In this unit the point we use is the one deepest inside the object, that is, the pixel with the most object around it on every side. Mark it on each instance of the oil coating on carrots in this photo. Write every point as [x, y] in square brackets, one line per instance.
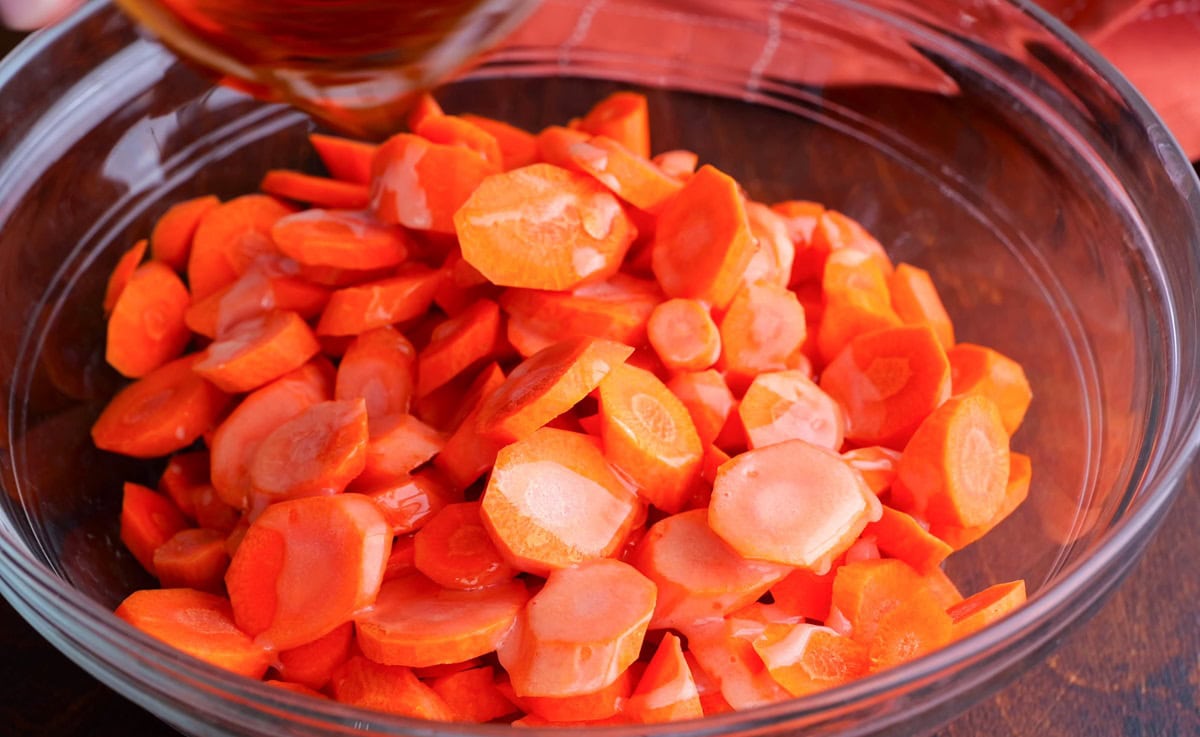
[530, 427]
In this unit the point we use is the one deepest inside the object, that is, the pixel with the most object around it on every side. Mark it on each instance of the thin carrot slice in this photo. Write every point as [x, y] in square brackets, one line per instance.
[473, 696]
[598, 705]
[623, 117]
[237, 439]
[580, 632]
[417, 623]
[916, 301]
[313, 663]
[409, 502]
[379, 368]
[805, 593]
[148, 521]
[976, 612]
[711, 700]
[192, 559]
[942, 587]
[708, 399]
[162, 412]
[915, 628]
[425, 106]
[306, 566]
[543, 227]
[898, 535]
[684, 336]
[677, 163]
[315, 191]
[468, 454]
[357, 309]
[184, 472]
[703, 244]
[517, 147]
[229, 238]
[554, 145]
[319, 451]
[459, 343]
[876, 464]
[629, 176]
[772, 261]
[1020, 472]
[171, 238]
[454, 550]
[617, 309]
[534, 480]
[955, 469]
[146, 328]
[420, 184]
[867, 591]
[889, 381]
[197, 623]
[856, 301]
[760, 331]
[732, 663]
[393, 689]
[787, 405]
[121, 273]
[253, 295]
[836, 231]
[400, 561]
[697, 574]
[801, 217]
[649, 435]
[452, 130]
[806, 658]
[666, 691]
[258, 351]
[345, 158]
[346, 239]
[975, 369]
[547, 384]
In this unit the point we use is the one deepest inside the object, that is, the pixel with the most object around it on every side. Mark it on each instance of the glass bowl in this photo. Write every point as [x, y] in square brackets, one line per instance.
[982, 142]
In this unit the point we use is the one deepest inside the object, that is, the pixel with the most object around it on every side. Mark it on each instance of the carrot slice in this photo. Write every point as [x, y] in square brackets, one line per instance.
[806, 658]
[126, 265]
[703, 244]
[306, 566]
[1020, 472]
[379, 368]
[598, 705]
[684, 336]
[197, 623]
[787, 405]
[805, 593]
[666, 691]
[554, 145]
[942, 587]
[517, 147]
[162, 412]
[649, 435]
[312, 664]
[345, 158]
[228, 238]
[800, 218]
[975, 369]
[915, 628]
[772, 261]
[534, 480]
[171, 238]
[761, 504]
[343, 238]
[623, 117]
[629, 176]
[898, 535]
[617, 309]
[916, 301]
[547, 384]
[399, 298]
[543, 227]
[409, 502]
[315, 191]
[258, 351]
[454, 550]
[425, 106]
[889, 381]
[184, 472]
[148, 521]
[955, 469]
[420, 184]
[857, 301]
[866, 592]
[319, 451]
[837, 231]
[254, 294]
[976, 612]
[459, 343]
[415, 622]
[192, 559]
[762, 328]
[731, 662]
[146, 328]
[473, 696]
[468, 454]
[452, 130]
[580, 632]
[393, 689]
[698, 575]
[708, 400]
[876, 464]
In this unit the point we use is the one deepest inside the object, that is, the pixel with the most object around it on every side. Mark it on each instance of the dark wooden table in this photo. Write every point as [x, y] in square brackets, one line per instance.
[1132, 671]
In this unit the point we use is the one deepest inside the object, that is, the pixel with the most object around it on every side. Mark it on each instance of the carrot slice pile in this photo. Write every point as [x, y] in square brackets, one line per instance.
[537, 428]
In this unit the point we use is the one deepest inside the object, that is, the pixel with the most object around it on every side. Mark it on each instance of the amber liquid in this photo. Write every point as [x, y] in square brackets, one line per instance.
[354, 64]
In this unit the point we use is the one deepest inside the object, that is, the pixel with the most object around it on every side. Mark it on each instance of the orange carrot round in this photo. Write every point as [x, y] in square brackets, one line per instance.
[453, 549]
[343, 238]
[319, 451]
[171, 238]
[258, 351]
[787, 405]
[147, 328]
[421, 185]
[121, 273]
[684, 335]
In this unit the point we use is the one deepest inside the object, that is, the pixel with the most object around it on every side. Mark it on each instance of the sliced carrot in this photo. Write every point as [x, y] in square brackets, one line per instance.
[306, 566]
[146, 328]
[1015, 492]
[697, 574]
[666, 691]
[452, 130]
[976, 612]
[313, 663]
[761, 504]
[917, 627]
[587, 707]
[459, 343]
[183, 472]
[772, 261]
[889, 381]
[942, 587]
[148, 521]
[684, 335]
[378, 367]
[253, 295]
[835, 231]
[856, 301]
[454, 550]
[192, 559]
[393, 689]
[473, 696]
[876, 464]
[360, 308]
[210, 511]
[711, 700]
[801, 218]
[787, 405]
[162, 412]
[763, 327]
[543, 227]
[806, 658]
[554, 145]
[425, 106]
[955, 469]
[258, 351]
[617, 309]
[345, 158]
[865, 592]
[677, 163]
[547, 384]
[468, 454]
[623, 117]
[397, 445]
[400, 561]
[409, 502]
[707, 398]
[632, 177]
[119, 278]
[649, 435]
[319, 451]
[416, 623]
[898, 535]
[805, 593]
[171, 238]
[197, 623]
[314, 190]
[420, 184]
[228, 238]
[975, 369]
[517, 147]
[346, 239]
[732, 663]
[916, 301]
[703, 243]
[580, 632]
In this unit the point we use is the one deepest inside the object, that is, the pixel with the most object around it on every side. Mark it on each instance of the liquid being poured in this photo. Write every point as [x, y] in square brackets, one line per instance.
[355, 64]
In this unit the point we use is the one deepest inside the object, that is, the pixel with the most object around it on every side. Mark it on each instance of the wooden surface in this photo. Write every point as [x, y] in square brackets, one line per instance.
[1132, 671]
